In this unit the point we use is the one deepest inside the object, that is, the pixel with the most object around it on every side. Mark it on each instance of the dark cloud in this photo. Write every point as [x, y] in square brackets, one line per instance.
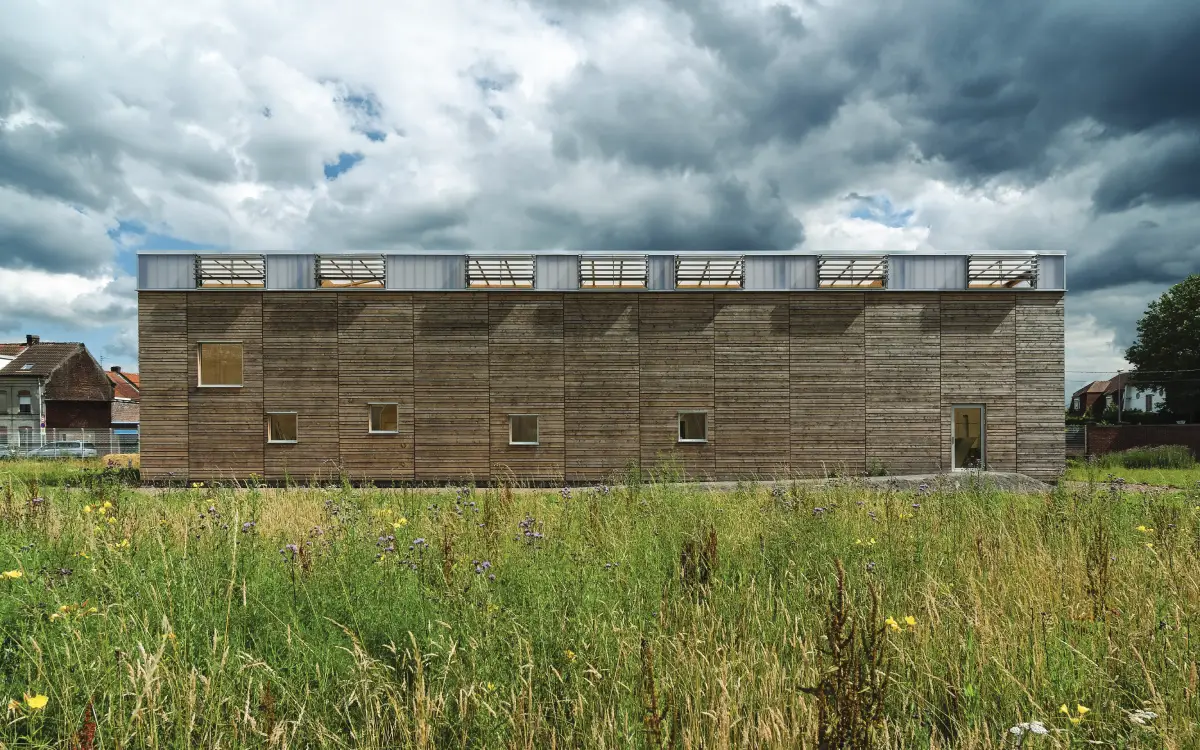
[686, 125]
[730, 219]
[1147, 252]
[1168, 173]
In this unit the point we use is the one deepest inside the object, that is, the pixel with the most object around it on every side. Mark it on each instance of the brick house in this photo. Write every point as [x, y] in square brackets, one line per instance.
[52, 386]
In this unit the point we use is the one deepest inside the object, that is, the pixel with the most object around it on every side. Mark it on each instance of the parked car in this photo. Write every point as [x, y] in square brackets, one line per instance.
[8, 451]
[65, 449]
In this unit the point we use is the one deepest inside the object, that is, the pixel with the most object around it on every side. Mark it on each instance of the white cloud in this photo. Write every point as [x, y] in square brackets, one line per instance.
[65, 299]
[515, 125]
[1092, 352]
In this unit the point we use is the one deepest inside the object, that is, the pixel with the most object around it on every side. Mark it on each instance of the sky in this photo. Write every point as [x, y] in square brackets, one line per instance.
[831, 126]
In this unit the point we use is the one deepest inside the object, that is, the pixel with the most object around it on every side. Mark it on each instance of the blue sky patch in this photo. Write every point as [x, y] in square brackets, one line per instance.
[345, 163]
[879, 209]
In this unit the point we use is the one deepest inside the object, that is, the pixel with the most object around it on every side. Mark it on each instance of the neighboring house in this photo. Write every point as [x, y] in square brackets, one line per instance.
[1118, 391]
[9, 352]
[1090, 398]
[573, 366]
[126, 404]
[52, 386]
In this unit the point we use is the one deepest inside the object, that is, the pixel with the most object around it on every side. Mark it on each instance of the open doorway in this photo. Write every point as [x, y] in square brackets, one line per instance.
[967, 437]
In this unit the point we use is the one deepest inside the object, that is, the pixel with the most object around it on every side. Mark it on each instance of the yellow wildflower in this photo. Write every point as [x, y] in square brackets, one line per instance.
[106, 505]
[36, 702]
[891, 623]
[1082, 709]
[1063, 709]
[112, 520]
[402, 521]
[491, 686]
[82, 554]
[1076, 719]
[1149, 545]
[569, 654]
[13, 574]
[910, 621]
[56, 616]
[1145, 530]
[87, 509]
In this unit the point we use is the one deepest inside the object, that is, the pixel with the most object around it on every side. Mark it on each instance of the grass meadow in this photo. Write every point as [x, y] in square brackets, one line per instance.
[650, 615]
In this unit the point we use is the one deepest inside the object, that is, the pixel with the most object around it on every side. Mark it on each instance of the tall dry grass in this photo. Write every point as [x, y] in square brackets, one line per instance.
[649, 616]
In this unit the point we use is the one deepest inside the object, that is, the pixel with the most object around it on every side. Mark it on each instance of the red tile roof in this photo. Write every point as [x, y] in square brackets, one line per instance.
[122, 387]
[11, 350]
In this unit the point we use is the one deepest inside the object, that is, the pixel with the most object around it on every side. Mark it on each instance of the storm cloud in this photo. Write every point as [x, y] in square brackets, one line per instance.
[706, 125]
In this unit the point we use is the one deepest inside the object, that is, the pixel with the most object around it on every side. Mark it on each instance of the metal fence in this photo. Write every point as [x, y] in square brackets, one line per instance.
[68, 443]
[1076, 439]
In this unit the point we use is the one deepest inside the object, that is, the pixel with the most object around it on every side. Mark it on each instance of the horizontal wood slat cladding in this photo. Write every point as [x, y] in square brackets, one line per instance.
[978, 367]
[803, 382]
[903, 381]
[296, 329]
[450, 386]
[525, 370]
[601, 372]
[752, 348]
[828, 386]
[226, 426]
[677, 373]
[375, 365]
[163, 359]
[1041, 442]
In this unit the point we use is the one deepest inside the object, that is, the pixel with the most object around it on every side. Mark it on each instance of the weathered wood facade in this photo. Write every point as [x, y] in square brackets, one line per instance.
[793, 383]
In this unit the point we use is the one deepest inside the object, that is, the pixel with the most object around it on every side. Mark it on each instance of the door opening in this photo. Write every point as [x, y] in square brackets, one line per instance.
[968, 438]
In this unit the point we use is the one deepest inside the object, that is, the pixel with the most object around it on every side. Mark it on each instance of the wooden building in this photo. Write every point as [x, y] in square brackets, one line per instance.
[574, 367]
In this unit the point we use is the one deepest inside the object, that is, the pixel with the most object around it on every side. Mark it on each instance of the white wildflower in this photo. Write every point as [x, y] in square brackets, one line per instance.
[1033, 727]
[1140, 717]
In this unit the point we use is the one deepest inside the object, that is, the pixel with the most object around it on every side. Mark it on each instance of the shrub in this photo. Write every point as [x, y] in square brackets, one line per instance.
[1149, 457]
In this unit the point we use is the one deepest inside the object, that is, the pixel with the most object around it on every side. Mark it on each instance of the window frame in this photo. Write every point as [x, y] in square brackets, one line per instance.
[27, 395]
[295, 428]
[537, 430]
[983, 441]
[679, 438]
[200, 366]
[395, 405]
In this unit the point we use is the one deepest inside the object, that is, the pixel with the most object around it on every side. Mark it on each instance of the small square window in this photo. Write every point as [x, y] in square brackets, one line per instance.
[522, 429]
[384, 418]
[693, 427]
[221, 364]
[281, 427]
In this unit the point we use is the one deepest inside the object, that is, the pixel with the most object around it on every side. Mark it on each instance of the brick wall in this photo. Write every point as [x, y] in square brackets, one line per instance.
[88, 414]
[1111, 438]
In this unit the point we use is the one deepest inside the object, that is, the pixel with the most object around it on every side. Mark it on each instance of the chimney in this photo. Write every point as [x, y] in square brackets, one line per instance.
[30, 339]
[115, 368]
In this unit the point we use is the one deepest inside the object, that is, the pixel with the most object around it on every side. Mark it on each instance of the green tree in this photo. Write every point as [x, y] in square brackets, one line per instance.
[1166, 352]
